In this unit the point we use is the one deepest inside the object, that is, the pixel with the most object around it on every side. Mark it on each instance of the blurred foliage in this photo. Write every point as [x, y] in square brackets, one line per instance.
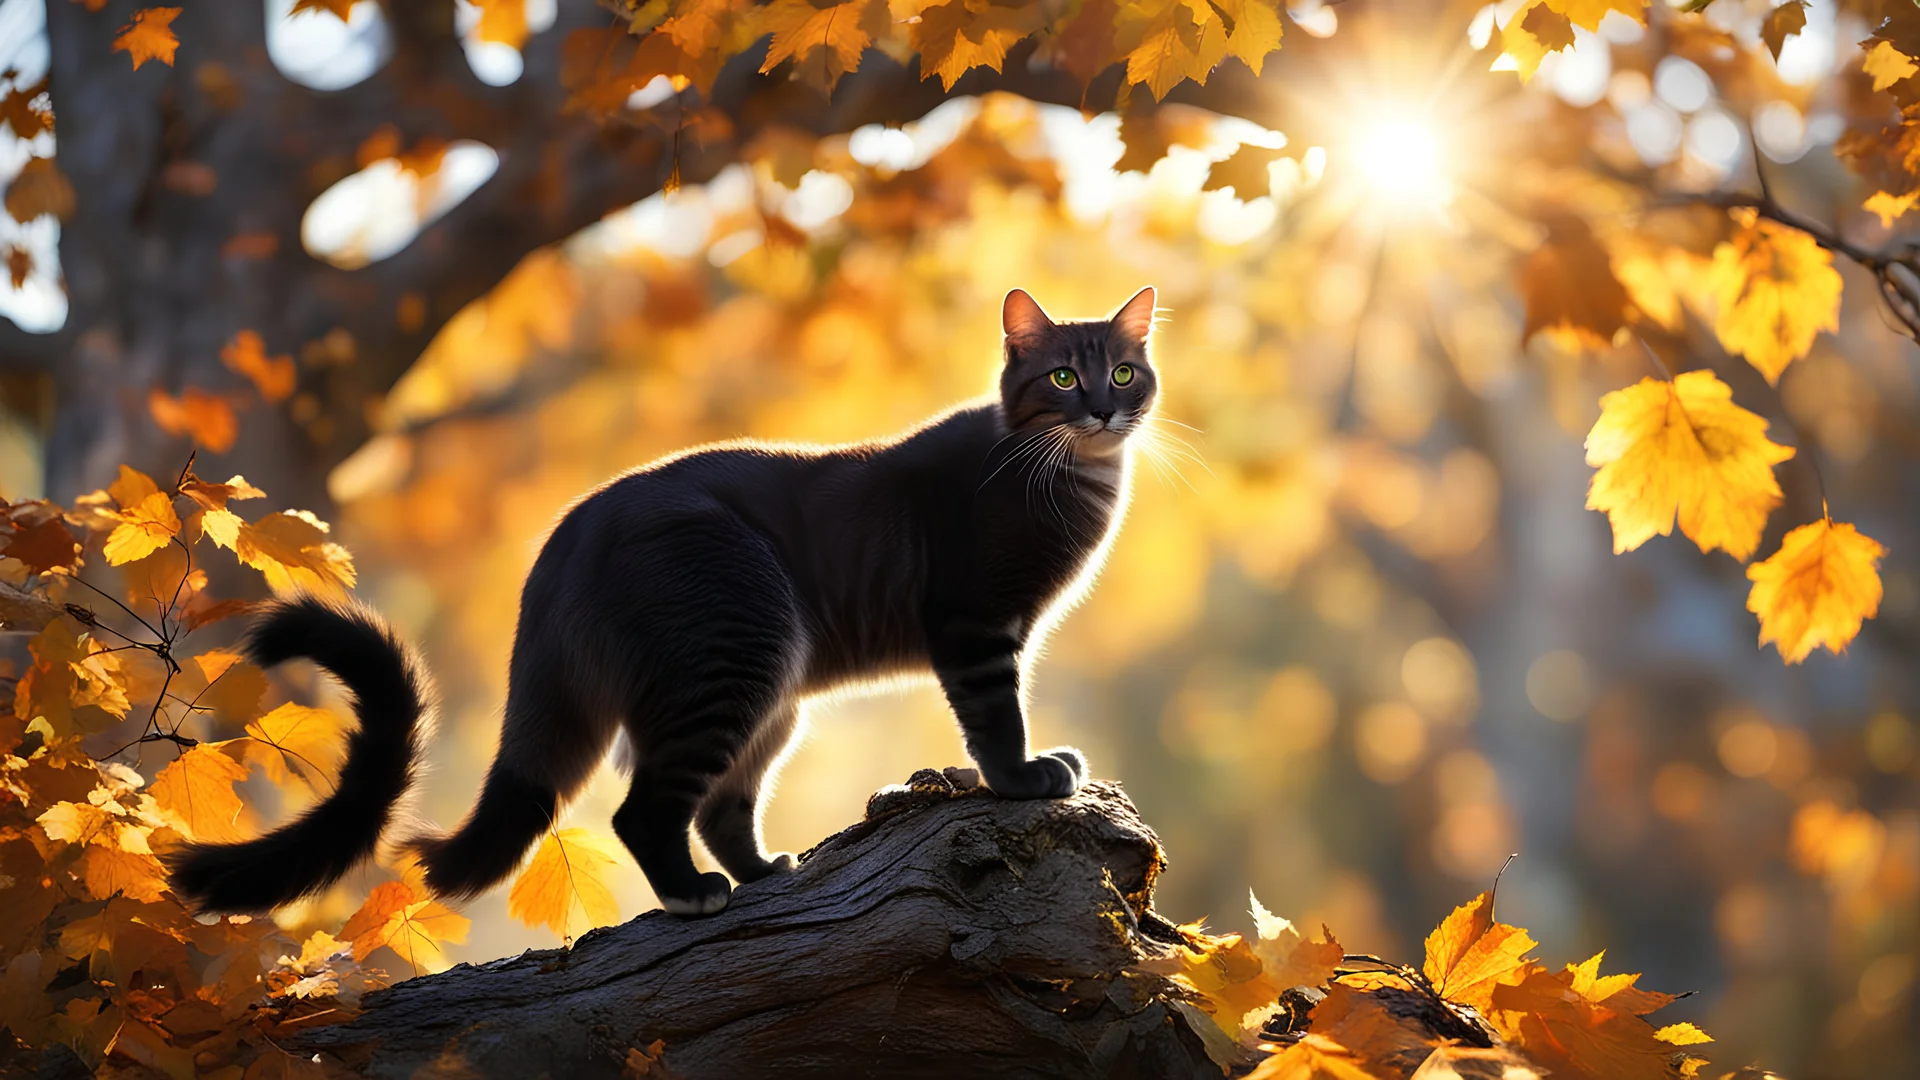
[1358, 640]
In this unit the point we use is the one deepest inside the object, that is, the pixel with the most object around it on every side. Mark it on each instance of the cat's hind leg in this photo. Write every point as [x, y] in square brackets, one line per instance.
[729, 819]
[717, 632]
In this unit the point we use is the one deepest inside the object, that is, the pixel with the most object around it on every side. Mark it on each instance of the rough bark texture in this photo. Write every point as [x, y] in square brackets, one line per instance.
[950, 933]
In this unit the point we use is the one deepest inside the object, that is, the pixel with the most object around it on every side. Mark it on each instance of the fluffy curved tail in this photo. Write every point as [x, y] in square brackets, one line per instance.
[392, 696]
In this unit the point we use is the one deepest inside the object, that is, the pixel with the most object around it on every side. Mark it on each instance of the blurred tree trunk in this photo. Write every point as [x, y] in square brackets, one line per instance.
[950, 934]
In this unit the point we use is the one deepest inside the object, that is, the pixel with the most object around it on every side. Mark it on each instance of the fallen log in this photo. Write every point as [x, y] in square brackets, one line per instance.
[949, 933]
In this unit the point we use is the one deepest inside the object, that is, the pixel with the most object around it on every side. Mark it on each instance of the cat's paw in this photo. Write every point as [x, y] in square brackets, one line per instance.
[709, 896]
[1075, 760]
[1045, 777]
[772, 866]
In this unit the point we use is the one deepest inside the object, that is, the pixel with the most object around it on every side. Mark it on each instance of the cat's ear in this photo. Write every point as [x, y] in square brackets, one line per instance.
[1022, 319]
[1135, 318]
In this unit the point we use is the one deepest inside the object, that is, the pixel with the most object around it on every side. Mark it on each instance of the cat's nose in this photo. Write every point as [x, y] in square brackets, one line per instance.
[1103, 417]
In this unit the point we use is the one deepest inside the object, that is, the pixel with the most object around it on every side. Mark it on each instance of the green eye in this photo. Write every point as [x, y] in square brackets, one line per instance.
[1123, 375]
[1064, 378]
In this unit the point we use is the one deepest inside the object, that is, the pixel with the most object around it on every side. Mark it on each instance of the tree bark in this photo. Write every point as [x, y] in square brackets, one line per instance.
[950, 933]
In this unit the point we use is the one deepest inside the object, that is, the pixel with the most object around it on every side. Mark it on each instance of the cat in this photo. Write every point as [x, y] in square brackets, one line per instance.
[697, 601]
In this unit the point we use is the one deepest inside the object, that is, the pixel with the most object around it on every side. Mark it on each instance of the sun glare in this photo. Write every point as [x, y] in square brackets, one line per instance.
[1399, 161]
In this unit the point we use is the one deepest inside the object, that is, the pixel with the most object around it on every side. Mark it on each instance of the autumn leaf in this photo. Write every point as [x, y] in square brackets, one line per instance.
[1254, 29]
[75, 822]
[39, 188]
[1544, 26]
[36, 533]
[1683, 450]
[1550, 28]
[246, 354]
[131, 486]
[1166, 41]
[1247, 171]
[1776, 289]
[1554, 1023]
[1888, 65]
[207, 419]
[415, 927]
[1782, 23]
[196, 793]
[1381, 1036]
[22, 110]
[570, 867]
[144, 528]
[1817, 589]
[962, 34]
[111, 870]
[1287, 957]
[824, 43]
[19, 264]
[1469, 954]
[309, 737]
[292, 549]
[1313, 1057]
[1570, 288]
[149, 36]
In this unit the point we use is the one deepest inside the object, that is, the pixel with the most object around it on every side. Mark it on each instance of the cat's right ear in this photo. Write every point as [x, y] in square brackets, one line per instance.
[1022, 319]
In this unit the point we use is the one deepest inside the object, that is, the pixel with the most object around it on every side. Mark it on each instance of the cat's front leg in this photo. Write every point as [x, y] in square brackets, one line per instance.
[981, 675]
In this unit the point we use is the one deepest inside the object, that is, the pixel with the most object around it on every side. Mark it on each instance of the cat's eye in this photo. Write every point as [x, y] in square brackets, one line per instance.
[1123, 375]
[1064, 378]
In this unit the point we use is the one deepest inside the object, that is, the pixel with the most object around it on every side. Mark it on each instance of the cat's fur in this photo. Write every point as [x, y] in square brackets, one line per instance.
[697, 601]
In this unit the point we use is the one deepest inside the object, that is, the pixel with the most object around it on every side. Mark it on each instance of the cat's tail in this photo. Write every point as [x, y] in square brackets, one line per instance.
[393, 697]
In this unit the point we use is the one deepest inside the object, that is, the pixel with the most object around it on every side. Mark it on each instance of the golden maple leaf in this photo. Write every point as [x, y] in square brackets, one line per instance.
[823, 43]
[1314, 1057]
[196, 794]
[1776, 290]
[1888, 65]
[1817, 589]
[149, 36]
[292, 549]
[416, 927]
[1683, 450]
[959, 35]
[1469, 954]
[1544, 26]
[1254, 29]
[570, 867]
[1553, 1021]
[1166, 41]
[1782, 23]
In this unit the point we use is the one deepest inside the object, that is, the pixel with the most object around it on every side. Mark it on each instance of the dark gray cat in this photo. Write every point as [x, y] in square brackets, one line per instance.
[694, 603]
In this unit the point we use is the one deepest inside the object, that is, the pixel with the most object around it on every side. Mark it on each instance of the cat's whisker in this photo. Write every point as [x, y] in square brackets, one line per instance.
[1029, 447]
[1162, 418]
[1164, 463]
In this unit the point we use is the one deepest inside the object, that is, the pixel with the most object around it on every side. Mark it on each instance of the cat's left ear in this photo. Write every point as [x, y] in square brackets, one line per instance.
[1135, 318]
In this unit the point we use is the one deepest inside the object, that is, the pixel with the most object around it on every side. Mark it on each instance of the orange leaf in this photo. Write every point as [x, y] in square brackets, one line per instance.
[1314, 1057]
[570, 867]
[196, 793]
[205, 418]
[149, 36]
[1469, 954]
[273, 376]
[292, 549]
[307, 737]
[824, 43]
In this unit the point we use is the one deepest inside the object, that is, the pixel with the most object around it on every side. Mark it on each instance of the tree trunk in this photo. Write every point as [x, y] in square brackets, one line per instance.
[950, 933]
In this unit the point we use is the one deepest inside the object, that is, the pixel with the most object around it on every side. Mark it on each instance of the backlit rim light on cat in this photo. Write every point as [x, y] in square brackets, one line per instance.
[1401, 164]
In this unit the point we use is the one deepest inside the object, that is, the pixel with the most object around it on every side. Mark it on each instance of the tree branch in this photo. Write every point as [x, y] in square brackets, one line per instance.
[949, 934]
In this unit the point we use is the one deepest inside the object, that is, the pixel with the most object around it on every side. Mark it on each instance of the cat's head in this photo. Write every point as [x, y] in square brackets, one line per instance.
[1090, 378]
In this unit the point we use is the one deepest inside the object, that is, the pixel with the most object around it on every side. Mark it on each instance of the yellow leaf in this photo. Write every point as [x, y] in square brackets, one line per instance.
[824, 43]
[417, 932]
[1544, 26]
[1683, 449]
[1314, 1057]
[1230, 978]
[1166, 41]
[1288, 957]
[1248, 171]
[149, 36]
[699, 26]
[311, 738]
[319, 948]
[216, 496]
[571, 866]
[1782, 23]
[1888, 65]
[1776, 289]
[1682, 1034]
[74, 823]
[143, 530]
[962, 34]
[196, 794]
[1890, 208]
[1469, 954]
[132, 487]
[291, 548]
[1817, 589]
[1255, 31]
[367, 927]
